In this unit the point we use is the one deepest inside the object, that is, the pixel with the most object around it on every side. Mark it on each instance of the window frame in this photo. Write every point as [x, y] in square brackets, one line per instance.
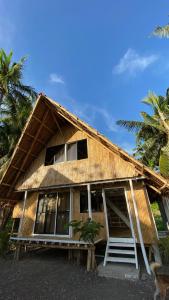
[66, 145]
[69, 235]
[92, 208]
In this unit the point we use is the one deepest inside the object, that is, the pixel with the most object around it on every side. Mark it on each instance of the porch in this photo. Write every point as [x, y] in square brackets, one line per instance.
[46, 242]
[113, 203]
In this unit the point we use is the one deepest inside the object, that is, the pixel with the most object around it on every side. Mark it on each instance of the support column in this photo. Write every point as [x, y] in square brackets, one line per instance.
[165, 204]
[23, 213]
[105, 212]
[139, 228]
[71, 212]
[89, 201]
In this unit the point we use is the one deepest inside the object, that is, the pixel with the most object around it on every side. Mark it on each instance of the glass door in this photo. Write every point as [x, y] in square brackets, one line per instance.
[53, 214]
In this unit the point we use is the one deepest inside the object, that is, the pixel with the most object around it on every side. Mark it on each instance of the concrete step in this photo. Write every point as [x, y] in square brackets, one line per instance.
[121, 259]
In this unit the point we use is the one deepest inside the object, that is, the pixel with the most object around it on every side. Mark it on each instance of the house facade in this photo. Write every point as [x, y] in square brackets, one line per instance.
[63, 170]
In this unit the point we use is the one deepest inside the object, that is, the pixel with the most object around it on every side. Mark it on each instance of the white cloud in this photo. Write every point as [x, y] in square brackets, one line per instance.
[94, 114]
[132, 62]
[55, 78]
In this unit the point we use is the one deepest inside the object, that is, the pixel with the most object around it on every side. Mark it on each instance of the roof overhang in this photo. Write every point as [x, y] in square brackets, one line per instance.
[46, 120]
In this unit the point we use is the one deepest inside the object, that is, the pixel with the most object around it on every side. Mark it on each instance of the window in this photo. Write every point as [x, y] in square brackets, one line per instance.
[53, 214]
[15, 227]
[83, 201]
[55, 155]
[72, 151]
[96, 201]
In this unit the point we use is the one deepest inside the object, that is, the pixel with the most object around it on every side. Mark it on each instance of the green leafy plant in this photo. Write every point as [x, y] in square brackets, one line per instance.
[4, 242]
[157, 216]
[88, 230]
[164, 249]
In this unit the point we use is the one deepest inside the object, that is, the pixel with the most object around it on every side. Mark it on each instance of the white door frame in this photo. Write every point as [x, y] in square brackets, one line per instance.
[105, 209]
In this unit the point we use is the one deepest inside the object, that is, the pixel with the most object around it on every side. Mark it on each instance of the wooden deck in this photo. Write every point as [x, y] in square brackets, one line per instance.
[47, 242]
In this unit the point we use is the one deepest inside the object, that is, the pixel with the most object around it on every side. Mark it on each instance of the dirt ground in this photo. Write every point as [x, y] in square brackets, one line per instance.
[49, 275]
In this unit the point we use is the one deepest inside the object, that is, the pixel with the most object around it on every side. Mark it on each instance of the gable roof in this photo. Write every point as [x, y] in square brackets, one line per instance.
[46, 120]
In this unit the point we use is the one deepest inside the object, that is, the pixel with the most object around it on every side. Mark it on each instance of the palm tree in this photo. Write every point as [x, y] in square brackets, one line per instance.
[16, 101]
[162, 31]
[152, 134]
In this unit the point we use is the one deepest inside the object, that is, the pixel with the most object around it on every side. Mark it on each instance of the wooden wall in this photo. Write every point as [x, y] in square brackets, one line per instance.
[145, 216]
[101, 164]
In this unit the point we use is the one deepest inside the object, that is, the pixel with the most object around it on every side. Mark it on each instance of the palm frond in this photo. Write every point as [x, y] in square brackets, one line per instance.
[162, 31]
[130, 125]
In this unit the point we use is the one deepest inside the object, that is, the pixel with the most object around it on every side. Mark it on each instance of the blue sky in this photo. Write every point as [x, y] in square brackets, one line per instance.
[97, 58]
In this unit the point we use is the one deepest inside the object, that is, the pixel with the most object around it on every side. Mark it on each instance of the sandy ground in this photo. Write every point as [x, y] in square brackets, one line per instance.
[47, 275]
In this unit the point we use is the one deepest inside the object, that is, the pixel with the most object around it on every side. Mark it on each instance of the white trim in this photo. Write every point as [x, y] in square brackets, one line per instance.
[165, 201]
[81, 184]
[71, 213]
[89, 201]
[151, 212]
[105, 212]
[23, 212]
[139, 228]
[35, 214]
[54, 234]
[65, 156]
[53, 240]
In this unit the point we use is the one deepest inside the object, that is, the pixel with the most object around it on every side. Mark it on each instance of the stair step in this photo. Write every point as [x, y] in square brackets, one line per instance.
[118, 251]
[121, 259]
[121, 240]
[125, 245]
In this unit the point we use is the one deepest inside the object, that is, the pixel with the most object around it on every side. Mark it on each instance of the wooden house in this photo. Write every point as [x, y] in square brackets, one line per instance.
[62, 169]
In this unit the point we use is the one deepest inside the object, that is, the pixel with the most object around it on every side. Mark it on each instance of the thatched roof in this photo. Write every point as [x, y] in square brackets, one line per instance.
[45, 120]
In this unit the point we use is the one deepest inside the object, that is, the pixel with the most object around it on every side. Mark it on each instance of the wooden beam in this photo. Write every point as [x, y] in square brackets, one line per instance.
[154, 188]
[33, 137]
[8, 200]
[89, 201]
[118, 212]
[29, 151]
[163, 187]
[16, 168]
[44, 125]
[23, 150]
[57, 124]
[5, 184]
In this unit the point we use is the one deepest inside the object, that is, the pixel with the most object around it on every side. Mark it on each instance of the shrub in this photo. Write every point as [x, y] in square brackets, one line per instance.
[157, 216]
[164, 249]
[4, 240]
[88, 230]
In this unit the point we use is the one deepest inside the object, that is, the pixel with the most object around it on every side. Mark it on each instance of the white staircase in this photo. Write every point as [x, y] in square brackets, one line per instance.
[121, 250]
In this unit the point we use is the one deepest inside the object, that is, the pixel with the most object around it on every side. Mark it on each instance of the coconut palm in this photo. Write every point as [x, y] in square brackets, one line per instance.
[162, 31]
[152, 134]
[16, 100]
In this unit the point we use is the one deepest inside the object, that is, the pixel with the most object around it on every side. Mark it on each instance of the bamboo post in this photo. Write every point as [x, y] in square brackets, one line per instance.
[70, 255]
[89, 257]
[93, 264]
[17, 252]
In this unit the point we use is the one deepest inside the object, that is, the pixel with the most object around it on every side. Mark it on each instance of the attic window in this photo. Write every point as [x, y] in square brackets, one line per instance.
[67, 152]
[77, 150]
[55, 155]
